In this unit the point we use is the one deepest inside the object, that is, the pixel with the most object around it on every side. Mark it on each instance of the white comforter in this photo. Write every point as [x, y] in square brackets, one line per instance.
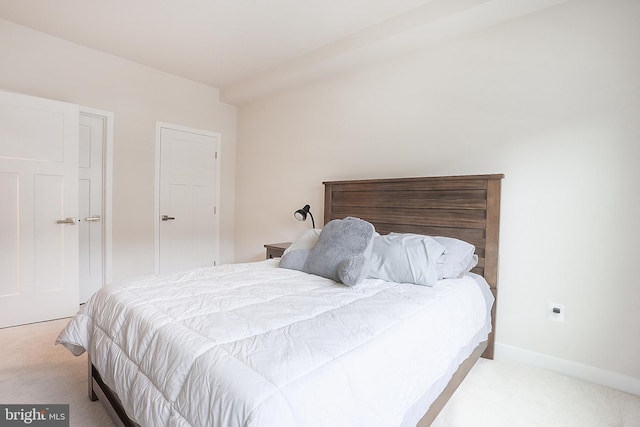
[257, 345]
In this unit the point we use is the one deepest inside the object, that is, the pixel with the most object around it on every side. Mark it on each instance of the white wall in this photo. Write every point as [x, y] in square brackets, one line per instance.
[552, 100]
[37, 64]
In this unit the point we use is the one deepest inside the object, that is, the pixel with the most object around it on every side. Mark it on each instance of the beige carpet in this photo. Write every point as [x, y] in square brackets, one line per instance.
[34, 370]
[495, 394]
[503, 394]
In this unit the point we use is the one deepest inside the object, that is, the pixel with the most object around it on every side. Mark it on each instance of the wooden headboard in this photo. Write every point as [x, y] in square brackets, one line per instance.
[466, 207]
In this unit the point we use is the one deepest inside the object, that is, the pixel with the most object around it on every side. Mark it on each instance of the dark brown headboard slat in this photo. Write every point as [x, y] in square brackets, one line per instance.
[465, 207]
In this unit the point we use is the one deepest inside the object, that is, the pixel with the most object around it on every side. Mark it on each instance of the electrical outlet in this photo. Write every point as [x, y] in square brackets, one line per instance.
[556, 312]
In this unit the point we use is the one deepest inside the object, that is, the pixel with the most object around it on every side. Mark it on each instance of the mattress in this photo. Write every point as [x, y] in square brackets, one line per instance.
[257, 345]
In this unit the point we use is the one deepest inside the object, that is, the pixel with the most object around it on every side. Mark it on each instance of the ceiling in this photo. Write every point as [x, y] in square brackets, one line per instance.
[251, 47]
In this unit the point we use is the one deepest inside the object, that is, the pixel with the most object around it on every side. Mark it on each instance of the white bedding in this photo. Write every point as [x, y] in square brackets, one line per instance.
[256, 345]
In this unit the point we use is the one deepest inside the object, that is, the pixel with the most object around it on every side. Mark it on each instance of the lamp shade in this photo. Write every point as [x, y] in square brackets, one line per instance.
[301, 215]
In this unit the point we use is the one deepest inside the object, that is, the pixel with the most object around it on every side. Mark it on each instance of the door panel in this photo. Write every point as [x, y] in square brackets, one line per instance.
[23, 128]
[38, 188]
[177, 243]
[187, 235]
[49, 241]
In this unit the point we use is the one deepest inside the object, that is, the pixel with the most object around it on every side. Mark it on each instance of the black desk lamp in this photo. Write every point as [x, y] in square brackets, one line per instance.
[301, 215]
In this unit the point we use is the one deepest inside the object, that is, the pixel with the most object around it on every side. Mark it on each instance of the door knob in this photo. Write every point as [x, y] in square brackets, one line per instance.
[167, 218]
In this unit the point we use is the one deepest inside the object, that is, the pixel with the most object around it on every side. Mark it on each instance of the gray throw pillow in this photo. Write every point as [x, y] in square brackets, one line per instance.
[342, 253]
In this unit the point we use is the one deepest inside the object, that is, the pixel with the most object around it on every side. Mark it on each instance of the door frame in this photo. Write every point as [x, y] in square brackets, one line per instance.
[107, 190]
[156, 204]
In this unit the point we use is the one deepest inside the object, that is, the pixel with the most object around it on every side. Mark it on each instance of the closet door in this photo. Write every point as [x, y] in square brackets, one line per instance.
[188, 183]
[38, 209]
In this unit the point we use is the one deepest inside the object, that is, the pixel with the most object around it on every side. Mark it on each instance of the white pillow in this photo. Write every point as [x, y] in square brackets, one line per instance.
[405, 258]
[458, 258]
[471, 266]
[306, 240]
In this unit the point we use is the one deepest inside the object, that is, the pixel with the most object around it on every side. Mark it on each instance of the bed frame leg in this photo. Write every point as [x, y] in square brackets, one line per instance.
[92, 395]
[98, 390]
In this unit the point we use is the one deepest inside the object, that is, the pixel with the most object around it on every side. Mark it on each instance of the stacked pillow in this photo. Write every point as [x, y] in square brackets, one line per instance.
[458, 258]
[307, 240]
[342, 251]
[405, 258]
[349, 250]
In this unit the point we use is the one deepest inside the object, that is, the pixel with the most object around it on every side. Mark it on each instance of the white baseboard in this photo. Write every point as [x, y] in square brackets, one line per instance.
[591, 374]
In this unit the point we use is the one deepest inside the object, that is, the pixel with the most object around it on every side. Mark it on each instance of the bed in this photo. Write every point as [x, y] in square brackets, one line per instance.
[257, 345]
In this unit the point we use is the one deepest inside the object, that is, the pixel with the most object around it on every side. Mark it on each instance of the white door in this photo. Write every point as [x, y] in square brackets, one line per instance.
[39, 209]
[188, 188]
[90, 186]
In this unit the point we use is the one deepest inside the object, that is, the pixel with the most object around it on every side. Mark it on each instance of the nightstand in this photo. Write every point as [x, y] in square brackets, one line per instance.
[275, 250]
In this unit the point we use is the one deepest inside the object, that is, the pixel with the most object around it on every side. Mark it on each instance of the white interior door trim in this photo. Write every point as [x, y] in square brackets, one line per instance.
[156, 207]
[107, 193]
